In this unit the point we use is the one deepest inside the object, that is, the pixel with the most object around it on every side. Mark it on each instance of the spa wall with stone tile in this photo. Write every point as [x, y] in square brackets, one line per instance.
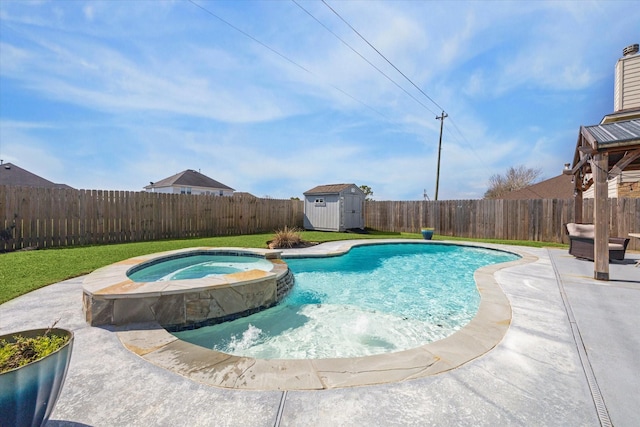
[110, 298]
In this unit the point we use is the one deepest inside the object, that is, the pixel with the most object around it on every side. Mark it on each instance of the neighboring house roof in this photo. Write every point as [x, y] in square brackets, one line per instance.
[11, 174]
[329, 189]
[559, 187]
[189, 178]
[244, 194]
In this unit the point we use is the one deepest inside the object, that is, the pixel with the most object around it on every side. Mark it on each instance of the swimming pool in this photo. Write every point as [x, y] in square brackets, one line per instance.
[375, 299]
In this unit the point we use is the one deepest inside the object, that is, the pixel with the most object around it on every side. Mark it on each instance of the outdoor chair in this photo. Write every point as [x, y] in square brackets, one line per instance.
[581, 242]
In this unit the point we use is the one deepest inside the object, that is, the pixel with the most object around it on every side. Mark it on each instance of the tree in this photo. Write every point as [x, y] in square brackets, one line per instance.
[514, 179]
[368, 192]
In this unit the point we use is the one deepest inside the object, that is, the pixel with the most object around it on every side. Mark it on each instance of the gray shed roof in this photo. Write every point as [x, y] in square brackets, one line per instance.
[11, 174]
[329, 189]
[189, 178]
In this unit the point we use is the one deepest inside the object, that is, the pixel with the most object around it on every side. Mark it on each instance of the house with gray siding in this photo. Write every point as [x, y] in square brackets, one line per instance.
[190, 182]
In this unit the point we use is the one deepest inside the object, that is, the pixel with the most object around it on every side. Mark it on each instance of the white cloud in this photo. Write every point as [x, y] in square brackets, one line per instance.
[14, 59]
[137, 91]
[112, 82]
[476, 84]
[30, 152]
[89, 12]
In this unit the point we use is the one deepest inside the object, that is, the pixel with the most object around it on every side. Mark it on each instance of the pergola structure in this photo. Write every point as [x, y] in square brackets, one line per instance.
[603, 151]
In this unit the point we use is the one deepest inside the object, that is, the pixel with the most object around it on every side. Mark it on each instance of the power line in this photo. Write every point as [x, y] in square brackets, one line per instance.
[248, 35]
[286, 58]
[407, 78]
[384, 57]
[361, 56]
[291, 61]
[482, 161]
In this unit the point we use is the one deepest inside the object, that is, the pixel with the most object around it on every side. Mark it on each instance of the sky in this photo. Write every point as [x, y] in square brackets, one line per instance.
[276, 97]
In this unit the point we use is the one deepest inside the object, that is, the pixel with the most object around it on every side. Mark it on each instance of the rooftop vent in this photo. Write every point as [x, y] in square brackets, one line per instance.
[631, 49]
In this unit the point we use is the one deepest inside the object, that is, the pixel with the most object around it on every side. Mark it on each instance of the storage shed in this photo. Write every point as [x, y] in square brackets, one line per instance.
[334, 207]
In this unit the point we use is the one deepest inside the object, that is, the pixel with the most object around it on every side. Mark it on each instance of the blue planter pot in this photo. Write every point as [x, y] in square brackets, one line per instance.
[427, 233]
[29, 393]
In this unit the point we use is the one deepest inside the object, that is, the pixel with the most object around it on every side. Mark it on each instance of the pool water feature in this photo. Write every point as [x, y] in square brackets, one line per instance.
[374, 299]
[196, 267]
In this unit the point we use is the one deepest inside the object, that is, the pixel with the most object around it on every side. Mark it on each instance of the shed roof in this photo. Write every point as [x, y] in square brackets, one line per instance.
[189, 178]
[559, 187]
[11, 174]
[329, 189]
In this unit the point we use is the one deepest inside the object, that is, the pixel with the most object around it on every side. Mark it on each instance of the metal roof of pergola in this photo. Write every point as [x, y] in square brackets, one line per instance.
[616, 134]
[603, 151]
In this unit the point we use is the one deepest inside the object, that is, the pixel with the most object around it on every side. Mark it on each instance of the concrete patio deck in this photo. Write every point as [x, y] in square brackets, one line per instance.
[569, 357]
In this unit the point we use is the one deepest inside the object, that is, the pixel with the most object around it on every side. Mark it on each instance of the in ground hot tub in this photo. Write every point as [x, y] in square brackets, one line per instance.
[186, 288]
[196, 265]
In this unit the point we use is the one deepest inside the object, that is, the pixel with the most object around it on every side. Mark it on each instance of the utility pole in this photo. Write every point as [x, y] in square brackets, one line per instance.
[441, 118]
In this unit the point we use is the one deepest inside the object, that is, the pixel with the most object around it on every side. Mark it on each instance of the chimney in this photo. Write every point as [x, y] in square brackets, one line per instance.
[631, 49]
[627, 80]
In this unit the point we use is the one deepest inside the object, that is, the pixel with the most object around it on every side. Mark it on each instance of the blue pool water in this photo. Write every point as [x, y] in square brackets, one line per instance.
[196, 266]
[374, 299]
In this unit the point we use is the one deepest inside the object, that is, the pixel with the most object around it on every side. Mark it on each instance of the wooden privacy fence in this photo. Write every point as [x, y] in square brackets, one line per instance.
[44, 217]
[50, 217]
[537, 220]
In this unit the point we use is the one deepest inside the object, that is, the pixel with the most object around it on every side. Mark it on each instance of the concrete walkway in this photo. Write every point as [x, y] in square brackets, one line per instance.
[569, 358]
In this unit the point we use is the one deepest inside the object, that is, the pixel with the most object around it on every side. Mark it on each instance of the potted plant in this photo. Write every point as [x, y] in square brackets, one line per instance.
[427, 233]
[33, 367]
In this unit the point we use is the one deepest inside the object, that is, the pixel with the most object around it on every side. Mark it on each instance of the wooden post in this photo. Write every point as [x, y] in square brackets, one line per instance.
[578, 207]
[601, 216]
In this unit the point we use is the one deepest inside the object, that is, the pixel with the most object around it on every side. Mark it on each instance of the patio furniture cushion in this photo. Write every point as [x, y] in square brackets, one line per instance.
[581, 242]
[581, 230]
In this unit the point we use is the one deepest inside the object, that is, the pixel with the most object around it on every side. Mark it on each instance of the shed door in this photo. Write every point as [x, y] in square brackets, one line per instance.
[353, 212]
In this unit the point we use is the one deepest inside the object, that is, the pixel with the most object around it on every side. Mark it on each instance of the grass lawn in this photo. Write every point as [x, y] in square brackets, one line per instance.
[25, 271]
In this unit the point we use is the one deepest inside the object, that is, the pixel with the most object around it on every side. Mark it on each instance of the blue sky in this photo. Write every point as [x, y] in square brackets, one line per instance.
[263, 98]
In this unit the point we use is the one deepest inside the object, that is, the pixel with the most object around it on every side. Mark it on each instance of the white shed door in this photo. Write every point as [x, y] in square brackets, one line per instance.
[353, 212]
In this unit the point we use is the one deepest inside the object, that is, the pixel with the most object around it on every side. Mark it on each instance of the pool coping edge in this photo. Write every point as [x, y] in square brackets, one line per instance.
[485, 331]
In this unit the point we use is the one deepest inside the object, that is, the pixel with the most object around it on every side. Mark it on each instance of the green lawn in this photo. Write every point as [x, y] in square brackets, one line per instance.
[25, 271]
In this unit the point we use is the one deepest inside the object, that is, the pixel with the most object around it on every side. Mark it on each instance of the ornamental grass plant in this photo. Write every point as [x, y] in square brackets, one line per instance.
[287, 238]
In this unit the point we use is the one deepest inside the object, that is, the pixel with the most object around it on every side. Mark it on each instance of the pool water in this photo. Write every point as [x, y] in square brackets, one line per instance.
[374, 299]
[196, 266]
